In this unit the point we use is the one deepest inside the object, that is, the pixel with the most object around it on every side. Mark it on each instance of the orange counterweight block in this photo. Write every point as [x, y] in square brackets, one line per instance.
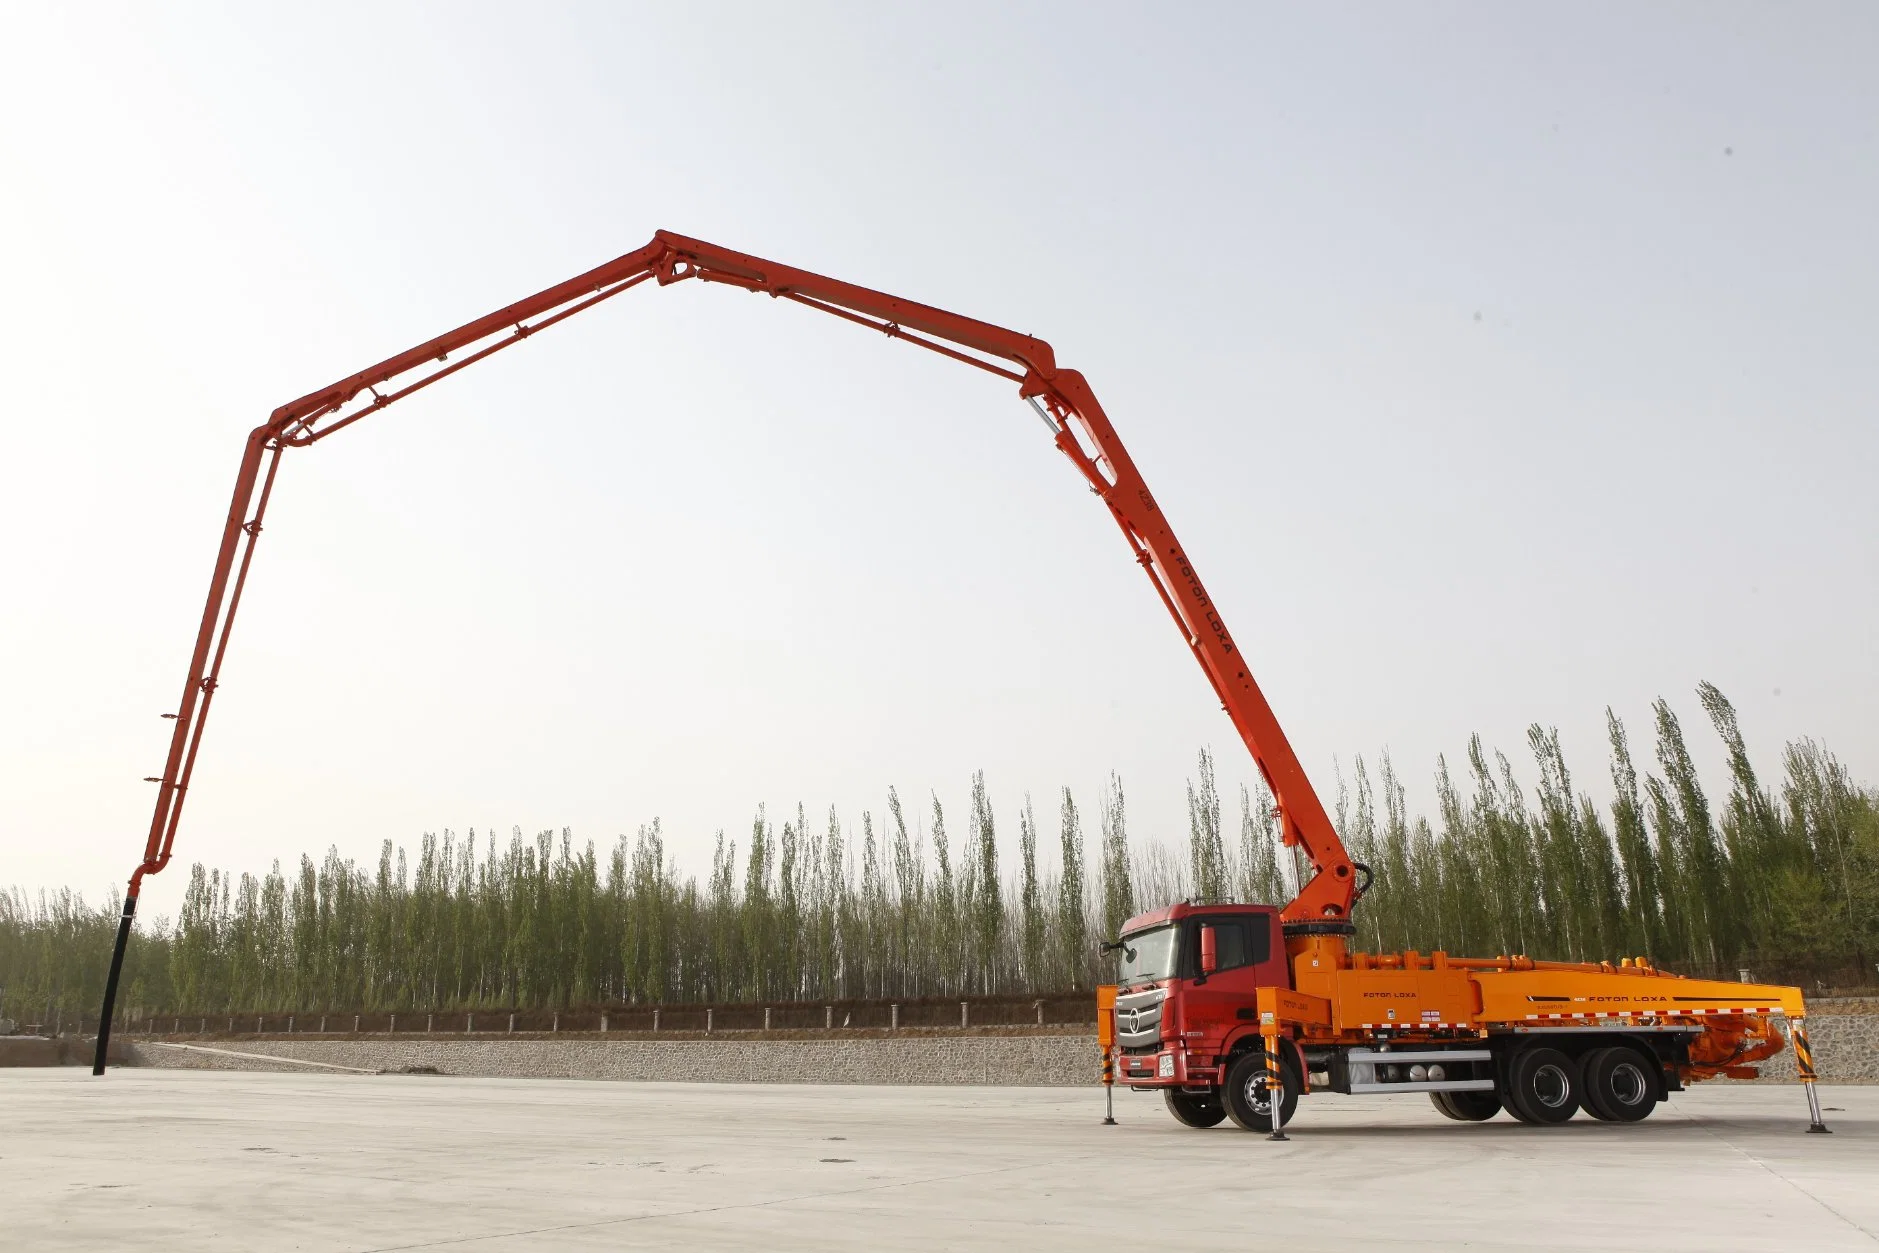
[1365, 993]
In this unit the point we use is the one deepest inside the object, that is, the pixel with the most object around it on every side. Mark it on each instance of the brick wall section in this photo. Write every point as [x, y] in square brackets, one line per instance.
[1846, 1048]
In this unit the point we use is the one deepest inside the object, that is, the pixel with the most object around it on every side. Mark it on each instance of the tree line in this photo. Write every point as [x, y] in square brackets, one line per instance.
[1785, 881]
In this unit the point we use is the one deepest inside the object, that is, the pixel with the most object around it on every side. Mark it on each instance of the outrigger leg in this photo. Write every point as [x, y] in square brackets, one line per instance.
[1804, 1065]
[1275, 1089]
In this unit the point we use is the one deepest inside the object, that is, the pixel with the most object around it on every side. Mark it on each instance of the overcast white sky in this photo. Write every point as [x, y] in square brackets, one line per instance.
[1494, 364]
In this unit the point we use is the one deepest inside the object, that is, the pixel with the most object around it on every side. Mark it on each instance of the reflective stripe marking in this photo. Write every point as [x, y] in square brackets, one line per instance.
[1679, 1012]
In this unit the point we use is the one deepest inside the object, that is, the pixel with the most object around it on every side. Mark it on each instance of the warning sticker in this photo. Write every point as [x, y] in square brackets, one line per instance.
[1432, 1015]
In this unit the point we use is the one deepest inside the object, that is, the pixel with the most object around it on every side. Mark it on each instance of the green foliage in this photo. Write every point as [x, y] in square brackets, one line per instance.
[1785, 882]
[986, 899]
[1258, 876]
[1118, 881]
[1788, 889]
[1072, 911]
[1207, 855]
[1033, 920]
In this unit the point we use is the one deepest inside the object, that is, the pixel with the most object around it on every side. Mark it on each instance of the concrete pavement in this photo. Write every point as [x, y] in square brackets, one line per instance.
[159, 1160]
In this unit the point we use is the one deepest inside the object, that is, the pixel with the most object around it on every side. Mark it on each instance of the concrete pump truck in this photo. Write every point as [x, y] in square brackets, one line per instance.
[1232, 1010]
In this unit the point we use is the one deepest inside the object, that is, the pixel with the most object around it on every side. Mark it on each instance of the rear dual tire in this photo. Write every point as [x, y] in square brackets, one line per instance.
[1543, 1086]
[1620, 1084]
[1616, 1083]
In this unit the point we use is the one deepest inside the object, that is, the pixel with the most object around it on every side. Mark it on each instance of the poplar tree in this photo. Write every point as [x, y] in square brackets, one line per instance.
[1429, 921]
[1463, 885]
[1711, 923]
[756, 982]
[1563, 884]
[1030, 898]
[1757, 849]
[1206, 851]
[947, 940]
[1401, 894]
[786, 938]
[874, 952]
[1838, 823]
[1072, 927]
[989, 907]
[724, 982]
[1118, 881]
[1260, 881]
[910, 879]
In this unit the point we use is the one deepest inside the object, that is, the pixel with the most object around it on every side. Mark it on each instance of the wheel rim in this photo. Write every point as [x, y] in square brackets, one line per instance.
[1628, 1084]
[1552, 1086]
[1258, 1096]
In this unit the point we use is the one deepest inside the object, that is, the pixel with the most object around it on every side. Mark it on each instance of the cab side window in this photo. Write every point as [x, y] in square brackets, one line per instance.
[1238, 941]
[1231, 946]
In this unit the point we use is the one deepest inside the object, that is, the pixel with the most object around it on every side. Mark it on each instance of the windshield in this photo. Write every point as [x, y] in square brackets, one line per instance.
[1147, 956]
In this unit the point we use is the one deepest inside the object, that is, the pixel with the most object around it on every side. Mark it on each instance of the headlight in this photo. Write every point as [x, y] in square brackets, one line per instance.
[1166, 1069]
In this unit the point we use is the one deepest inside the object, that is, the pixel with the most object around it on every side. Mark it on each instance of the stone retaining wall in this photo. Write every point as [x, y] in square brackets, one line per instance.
[1030, 1061]
[1846, 1049]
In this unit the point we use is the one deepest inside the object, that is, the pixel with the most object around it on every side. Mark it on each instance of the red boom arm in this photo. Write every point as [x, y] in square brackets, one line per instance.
[1060, 396]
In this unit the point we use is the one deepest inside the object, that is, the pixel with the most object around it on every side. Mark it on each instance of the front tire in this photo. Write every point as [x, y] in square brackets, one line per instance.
[1466, 1106]
[1247, 1099]
[1543, 1086]
[1619, 1085]
[1195, 1109]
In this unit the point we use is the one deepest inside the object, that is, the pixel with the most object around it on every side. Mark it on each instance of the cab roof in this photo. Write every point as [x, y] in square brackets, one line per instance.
[1181, 909]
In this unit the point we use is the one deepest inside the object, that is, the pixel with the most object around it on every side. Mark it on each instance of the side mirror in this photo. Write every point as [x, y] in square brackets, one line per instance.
[1209, 952]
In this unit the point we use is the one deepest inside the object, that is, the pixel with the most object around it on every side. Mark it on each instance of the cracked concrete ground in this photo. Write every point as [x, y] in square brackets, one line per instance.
[201, 1160]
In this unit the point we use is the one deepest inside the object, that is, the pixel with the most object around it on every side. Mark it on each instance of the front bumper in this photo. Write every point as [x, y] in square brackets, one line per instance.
[1167, 1068]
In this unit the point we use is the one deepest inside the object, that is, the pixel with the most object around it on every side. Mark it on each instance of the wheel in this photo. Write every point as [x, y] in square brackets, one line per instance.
[1619, 1085]
[1248, 1101]
[1466, 1106]
[1195, 1109]
[1542, 1086]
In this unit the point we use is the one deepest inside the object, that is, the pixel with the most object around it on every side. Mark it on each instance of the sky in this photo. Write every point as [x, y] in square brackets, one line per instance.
[1495, 364]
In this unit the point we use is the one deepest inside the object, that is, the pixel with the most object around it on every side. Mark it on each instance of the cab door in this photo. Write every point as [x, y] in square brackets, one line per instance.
[1213, 1005]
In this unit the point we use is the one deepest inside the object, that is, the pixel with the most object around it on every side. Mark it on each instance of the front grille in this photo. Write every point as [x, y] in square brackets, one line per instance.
[1138, 1019]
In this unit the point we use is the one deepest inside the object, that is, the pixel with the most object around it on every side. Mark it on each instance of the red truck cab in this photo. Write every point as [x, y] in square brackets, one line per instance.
[1179, 1025]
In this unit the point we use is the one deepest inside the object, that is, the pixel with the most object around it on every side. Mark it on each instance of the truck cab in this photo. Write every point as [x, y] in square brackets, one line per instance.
[1186, 985]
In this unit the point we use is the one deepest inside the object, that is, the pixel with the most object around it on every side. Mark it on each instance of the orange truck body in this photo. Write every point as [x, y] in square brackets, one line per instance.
[1199, 1021]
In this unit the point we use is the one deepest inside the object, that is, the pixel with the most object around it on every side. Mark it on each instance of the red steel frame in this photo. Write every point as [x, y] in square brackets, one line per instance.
[1061, 397]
